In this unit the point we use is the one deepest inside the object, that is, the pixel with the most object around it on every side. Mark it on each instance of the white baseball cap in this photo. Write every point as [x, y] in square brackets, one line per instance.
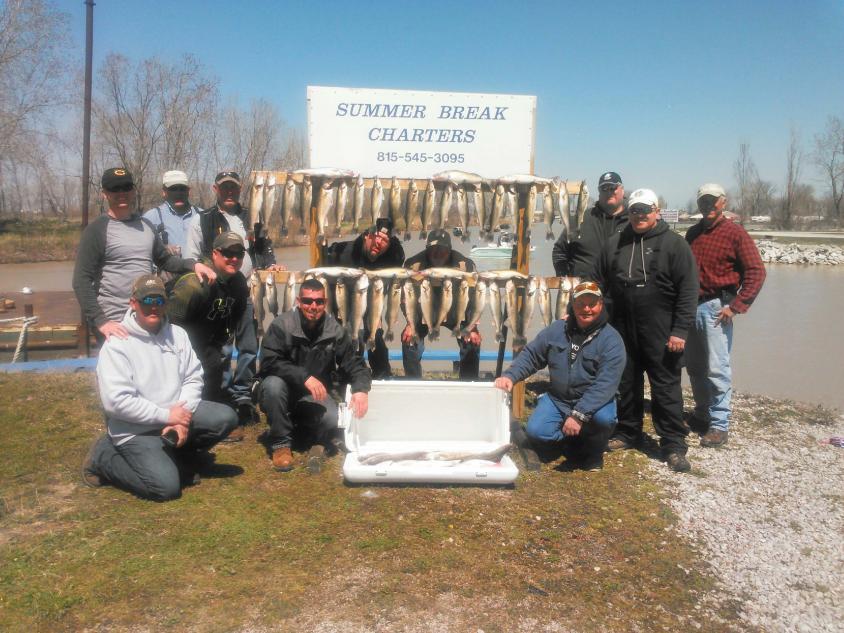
[643, 196]
[172, 178]
[711, 189]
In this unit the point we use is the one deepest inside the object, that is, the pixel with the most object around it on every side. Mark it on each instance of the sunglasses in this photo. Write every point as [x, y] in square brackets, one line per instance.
[306, 301]
[121, 188]
[154, 300]
[641, 210]
[606, 188]
[587, 285]
[236, 253]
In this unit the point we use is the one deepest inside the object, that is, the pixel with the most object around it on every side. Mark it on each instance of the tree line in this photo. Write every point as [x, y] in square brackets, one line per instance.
[154, 115]
[150, 116]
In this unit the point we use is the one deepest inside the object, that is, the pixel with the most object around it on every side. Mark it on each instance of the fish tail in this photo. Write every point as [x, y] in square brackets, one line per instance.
[549, 235]
[284, 231]
[423, 234]
[388, 335]
[407, 236]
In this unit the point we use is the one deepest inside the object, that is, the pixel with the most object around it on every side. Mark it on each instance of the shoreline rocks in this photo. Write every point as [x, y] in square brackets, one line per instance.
[810, 254]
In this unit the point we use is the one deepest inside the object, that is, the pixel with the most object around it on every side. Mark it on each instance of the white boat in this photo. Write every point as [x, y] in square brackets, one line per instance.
[503, 247]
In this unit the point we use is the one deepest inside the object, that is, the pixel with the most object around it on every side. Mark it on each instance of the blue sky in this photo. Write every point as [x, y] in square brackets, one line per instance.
[662, 92]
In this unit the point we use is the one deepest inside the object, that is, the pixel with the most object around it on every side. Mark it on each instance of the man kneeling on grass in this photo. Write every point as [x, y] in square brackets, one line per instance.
[585, 357]
[301, 353]
[150, 383]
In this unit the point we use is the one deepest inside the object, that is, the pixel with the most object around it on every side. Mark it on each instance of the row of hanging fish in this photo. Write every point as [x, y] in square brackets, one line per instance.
[277, 200]
[366, 301]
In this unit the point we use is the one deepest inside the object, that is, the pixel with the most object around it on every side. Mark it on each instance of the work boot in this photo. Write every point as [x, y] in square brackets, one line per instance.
[247, 414]
[90, 477]
[316, 456]
[283, 459]
[714, 438]
[678, 463]
[696, 425]
[237, 434]
[618, 443]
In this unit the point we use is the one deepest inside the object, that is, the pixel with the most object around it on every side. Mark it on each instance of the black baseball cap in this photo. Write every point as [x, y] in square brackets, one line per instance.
[439, 237]
[227, 176]
[609, 178]
[384, 225]
[116, 177]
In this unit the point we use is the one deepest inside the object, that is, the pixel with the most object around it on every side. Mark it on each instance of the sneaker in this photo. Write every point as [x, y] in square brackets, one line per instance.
[714, 438]
[678, 463]
[237, 434]
[316, 456]
[90, 477]
[618, 444]
[283, 459]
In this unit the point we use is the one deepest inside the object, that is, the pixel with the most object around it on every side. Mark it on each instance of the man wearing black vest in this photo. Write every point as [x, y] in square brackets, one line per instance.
[228, 215]
[650, 274]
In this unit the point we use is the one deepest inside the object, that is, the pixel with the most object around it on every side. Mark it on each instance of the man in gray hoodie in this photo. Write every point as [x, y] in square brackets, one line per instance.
[150, 384]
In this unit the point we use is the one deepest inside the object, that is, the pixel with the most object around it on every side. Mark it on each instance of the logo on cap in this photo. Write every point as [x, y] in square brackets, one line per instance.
[119, 172]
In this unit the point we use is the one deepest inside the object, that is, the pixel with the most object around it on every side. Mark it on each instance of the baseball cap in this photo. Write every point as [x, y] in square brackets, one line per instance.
[586, 288]
[609, 178]
[710, 189]
[227, 240]
[227, 176]
[643, 196]
[382, 225]
[175, 177]
[116, 177]
[148, 286]
[439, 237]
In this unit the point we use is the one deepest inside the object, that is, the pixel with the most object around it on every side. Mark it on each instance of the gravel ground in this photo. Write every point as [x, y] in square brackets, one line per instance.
[767, 512]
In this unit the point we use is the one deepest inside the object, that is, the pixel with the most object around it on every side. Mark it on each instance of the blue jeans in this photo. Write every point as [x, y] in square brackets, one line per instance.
[470, 357]
[708, 365]
[546, 425]
[145, 466]
[239, 384]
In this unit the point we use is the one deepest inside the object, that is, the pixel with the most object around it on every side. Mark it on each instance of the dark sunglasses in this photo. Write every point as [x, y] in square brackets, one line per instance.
[306, 301]
[607, 188]
[641, 209]
[178, 188]
[236, 253]
[121, 188]
[154, 300]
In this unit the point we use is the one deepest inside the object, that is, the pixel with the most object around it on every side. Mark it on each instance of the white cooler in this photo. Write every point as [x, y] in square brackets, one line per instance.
[428, 415]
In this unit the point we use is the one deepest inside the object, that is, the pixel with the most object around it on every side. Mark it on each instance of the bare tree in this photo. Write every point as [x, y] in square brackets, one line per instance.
[828, 155]
[747, 178]
[34, 43]
[154, 116]
[792, 179]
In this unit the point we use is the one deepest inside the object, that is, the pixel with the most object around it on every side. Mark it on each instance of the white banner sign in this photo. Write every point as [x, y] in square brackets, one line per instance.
[413, 134]
[672, 216]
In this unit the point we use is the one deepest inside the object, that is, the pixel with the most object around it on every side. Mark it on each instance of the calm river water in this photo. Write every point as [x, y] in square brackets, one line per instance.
[786, 346]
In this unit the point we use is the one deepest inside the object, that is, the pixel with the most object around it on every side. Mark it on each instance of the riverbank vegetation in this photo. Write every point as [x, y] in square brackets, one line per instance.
[44, 240]
[251, 549]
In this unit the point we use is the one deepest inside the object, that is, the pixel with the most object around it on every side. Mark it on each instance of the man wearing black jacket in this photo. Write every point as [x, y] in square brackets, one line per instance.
[229, 215]
[302, 351]
[210, 313]
[374, 249]
[439, 254]
[608, 217]
[650, 274]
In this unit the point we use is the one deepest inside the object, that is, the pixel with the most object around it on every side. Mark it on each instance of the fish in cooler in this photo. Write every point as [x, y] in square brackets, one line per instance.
[495, 455]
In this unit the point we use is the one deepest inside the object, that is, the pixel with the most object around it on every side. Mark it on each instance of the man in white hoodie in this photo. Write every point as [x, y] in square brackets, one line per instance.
[150, 385]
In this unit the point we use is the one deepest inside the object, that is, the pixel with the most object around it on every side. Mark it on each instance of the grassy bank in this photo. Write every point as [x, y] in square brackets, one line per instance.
[38, 241]
[249, 548]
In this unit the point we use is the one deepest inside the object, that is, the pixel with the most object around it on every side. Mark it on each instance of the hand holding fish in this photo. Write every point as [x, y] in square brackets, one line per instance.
[473, 338]
[407, 335]
[504, 383]
[316, 388]
[205, 273]
[359, 404]
[571, 427]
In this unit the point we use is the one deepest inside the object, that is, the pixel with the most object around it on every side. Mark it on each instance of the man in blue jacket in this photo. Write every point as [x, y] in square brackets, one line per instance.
[586, 357]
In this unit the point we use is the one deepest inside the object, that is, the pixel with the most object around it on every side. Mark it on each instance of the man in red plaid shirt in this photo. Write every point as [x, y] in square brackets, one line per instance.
[731, 275]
